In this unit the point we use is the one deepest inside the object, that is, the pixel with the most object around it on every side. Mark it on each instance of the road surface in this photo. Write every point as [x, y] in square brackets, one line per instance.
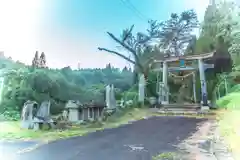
[138, 141]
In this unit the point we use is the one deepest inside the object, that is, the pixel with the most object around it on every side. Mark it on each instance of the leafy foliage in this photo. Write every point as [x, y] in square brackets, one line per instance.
[175, 33]
[222, 19]
[24, 83]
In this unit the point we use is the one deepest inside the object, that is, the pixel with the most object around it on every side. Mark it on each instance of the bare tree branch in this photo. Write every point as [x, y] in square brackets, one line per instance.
[121, 43]
[118, 54]
[128, 48]
[128, 33]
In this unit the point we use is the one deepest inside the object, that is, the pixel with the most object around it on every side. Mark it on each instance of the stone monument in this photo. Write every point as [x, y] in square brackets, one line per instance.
[141, 89]
[27, 114]
[110, 97]
[43, 116]
[107, 96]
[113, 99]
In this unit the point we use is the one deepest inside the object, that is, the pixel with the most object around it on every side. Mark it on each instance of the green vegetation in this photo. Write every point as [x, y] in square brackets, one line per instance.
[166, 156]
[24, 83]
[229, 119]
[11, 129]
[219, 31]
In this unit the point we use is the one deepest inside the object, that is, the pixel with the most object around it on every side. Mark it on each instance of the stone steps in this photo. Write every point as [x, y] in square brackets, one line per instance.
[182, 106]
[185, 109]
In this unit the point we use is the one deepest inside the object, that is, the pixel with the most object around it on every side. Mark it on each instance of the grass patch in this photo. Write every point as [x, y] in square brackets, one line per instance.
[12, 130]
[229, 121]
[210, 115]
[166, 156]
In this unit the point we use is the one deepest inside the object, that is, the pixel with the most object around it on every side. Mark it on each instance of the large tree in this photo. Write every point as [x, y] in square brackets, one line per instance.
[222, 20]
[141, 51]
[176, 33]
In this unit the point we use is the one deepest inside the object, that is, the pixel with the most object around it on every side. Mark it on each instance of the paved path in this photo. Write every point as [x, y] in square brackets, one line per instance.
[138, 141]
[9, 149]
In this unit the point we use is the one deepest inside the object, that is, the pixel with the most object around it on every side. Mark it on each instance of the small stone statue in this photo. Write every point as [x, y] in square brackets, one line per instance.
[65, 115]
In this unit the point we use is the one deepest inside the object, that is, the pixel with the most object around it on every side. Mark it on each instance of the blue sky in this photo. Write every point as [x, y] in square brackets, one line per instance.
[69, 31]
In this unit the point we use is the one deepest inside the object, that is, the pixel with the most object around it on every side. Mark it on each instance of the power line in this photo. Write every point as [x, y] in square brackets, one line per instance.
[137, 11]
[128, 4]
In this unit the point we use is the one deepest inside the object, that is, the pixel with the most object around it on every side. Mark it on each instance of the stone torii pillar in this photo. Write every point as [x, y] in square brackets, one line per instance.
[165, 83]
[203, 82]
[194, 88]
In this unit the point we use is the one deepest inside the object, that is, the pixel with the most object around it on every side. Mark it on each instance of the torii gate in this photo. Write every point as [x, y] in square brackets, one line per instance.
[164, 65]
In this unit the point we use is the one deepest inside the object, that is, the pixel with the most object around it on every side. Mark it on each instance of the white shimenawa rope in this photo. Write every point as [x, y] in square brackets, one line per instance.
[181, 76]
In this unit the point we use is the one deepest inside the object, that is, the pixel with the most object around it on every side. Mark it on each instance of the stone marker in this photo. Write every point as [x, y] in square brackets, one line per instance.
[110, 97]
[141, 88]
[113, 99]
[43, 116]
[107, 96]
[27, 114]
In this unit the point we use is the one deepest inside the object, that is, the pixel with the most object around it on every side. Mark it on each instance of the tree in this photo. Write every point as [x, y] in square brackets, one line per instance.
[191, 47]
[42, 60]
[139, 48]
[142, 53]
[222, 19]
[35, 61]
[175, 33]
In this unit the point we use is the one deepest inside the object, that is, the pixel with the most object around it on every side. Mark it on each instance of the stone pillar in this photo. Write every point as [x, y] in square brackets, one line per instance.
[88, 110]
[204, 98]
[194, 88]
[141, 89]
[108, 96]
[165, 83]
[98, 113]
[113, 98]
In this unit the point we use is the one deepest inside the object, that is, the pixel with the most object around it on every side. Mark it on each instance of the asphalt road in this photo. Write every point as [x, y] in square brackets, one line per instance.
[138, 141]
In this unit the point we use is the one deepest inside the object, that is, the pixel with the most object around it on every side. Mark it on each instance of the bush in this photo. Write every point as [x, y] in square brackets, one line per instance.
[230, 101]
[11, 115]
[236, 88]
[130, 96]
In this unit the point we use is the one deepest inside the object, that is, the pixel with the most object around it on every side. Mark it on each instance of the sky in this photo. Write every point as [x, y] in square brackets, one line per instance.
[69, 31]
